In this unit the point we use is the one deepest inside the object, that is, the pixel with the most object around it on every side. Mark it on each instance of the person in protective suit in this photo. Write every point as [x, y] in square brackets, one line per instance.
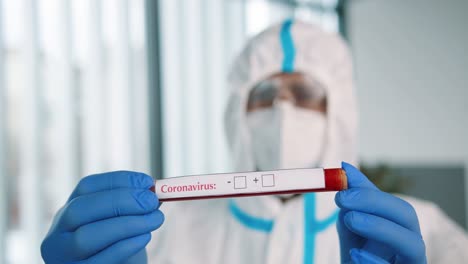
[292, 105]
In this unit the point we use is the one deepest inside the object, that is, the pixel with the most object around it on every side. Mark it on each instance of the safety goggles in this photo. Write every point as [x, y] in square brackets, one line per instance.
[302, 91]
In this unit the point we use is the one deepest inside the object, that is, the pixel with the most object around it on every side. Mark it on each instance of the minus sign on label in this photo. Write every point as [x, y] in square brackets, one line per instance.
[229, 181]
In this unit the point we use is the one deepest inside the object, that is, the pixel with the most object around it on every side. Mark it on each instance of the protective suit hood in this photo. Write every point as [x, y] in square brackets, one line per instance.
[295, 46]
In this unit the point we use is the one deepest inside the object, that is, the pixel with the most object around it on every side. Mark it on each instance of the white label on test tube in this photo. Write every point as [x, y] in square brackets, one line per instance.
[239, 184]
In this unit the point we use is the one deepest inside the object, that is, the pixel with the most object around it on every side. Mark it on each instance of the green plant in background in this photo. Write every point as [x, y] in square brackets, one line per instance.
[385, 178]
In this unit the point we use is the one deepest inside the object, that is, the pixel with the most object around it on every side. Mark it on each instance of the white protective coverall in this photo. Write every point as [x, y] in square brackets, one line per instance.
[301, 230]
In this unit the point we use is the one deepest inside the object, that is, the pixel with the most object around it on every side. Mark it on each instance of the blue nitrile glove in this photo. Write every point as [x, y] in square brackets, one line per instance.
[376, 227]
[107, 219]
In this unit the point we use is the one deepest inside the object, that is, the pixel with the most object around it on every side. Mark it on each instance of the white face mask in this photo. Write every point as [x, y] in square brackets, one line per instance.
[286, 137]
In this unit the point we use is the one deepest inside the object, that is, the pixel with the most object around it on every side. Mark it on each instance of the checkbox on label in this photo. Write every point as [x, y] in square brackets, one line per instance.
[240, 182]
[268, 180]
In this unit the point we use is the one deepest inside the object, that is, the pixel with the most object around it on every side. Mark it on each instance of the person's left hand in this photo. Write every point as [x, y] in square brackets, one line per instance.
[376, 227]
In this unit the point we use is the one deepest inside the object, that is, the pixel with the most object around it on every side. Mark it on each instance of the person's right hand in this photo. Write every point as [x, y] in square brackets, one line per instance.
[107, 219]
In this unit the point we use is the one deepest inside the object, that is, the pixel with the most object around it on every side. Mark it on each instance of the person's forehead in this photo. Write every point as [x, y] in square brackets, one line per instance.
[293, 77]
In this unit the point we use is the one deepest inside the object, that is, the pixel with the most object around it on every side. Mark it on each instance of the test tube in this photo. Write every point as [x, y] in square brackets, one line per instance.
[244, 184]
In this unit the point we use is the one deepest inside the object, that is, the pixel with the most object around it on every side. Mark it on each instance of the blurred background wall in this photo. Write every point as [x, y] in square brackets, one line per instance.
[411, 71]
[88, 86]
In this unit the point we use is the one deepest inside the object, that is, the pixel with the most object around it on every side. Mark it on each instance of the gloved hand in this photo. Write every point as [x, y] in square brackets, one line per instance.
[107, 219]
[376, 227]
